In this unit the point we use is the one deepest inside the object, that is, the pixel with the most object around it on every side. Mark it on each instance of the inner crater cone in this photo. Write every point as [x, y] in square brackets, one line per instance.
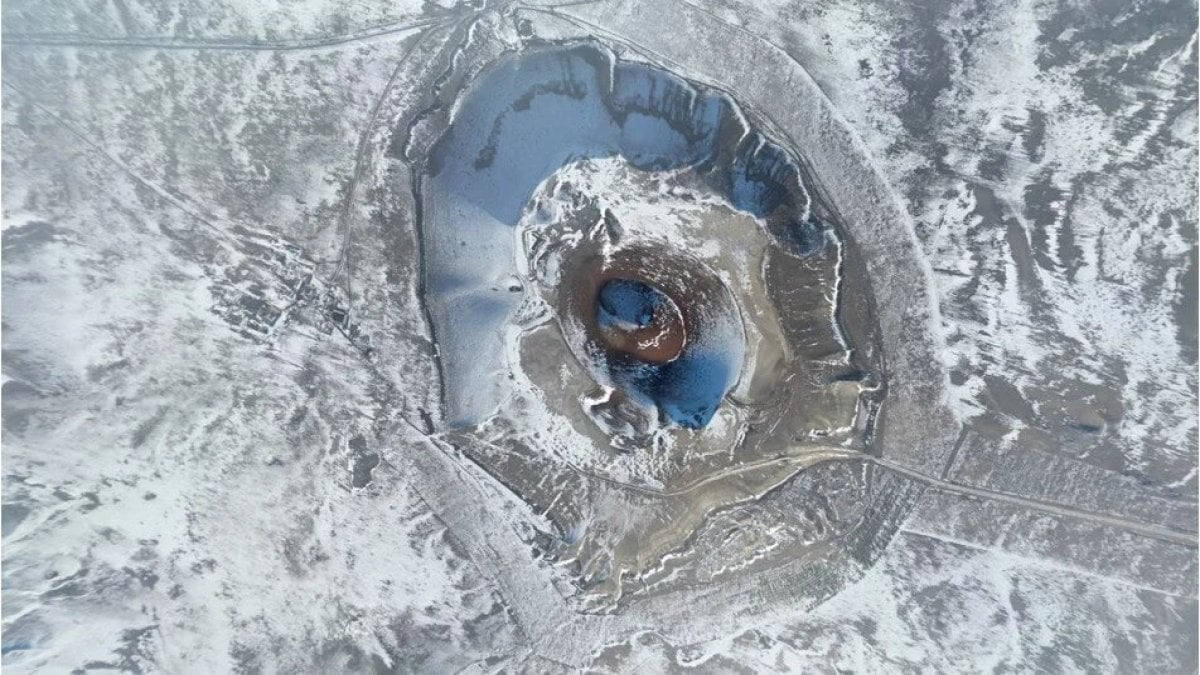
[658, 324]
[638, 319]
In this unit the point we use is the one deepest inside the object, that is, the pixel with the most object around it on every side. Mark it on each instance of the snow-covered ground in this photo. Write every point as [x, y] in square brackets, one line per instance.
[221, 443]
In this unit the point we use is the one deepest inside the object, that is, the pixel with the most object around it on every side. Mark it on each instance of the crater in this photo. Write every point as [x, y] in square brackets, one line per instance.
[638, 319]
[640, 307]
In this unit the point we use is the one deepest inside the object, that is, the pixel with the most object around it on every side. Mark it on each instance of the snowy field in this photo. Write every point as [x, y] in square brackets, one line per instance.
[226, 445]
